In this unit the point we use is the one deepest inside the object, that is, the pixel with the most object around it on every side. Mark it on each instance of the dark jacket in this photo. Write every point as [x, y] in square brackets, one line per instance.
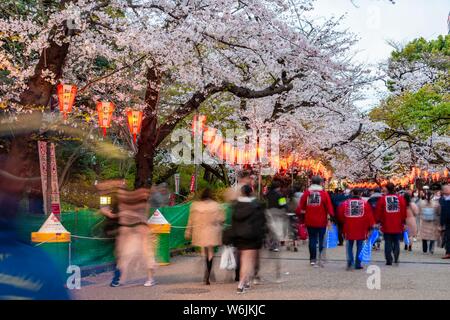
[373, 200]
[445, 212]
[275, 200]
[248, 224]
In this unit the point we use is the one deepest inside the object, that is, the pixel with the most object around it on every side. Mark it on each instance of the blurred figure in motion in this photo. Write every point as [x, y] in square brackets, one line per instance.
[373, 200]
[231, 195]
[337, 198]
[26, 272]
[412, 210]
[204, 227]
[110, 209]
[159, 196]
[248, 229]
[135, 242]
[429, 222]
[445, 218]
[277, 222]
[294, 221]
[316, 205]
[277, 218]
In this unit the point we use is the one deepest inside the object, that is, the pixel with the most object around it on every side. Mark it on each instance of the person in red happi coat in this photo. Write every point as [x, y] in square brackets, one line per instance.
[391, 213]
[316, 205]
[355, 214]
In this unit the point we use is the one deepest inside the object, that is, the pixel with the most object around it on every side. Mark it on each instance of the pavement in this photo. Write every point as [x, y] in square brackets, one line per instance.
[418, 276]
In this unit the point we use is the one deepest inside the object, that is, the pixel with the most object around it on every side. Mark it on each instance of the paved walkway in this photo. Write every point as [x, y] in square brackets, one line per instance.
[418, 276]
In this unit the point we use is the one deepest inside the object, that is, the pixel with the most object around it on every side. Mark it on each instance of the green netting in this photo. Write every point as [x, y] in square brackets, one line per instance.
[84, 226]
[87, 247]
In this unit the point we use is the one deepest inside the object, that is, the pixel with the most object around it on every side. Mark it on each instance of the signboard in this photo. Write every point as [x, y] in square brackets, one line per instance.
[52, 225]
[177, 183]
[42, 147]
[192, 188]
[157, 218]
[43, 161]
[56, 204]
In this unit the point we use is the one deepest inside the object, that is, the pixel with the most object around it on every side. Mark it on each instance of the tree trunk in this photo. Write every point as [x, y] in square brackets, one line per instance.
[148, 139]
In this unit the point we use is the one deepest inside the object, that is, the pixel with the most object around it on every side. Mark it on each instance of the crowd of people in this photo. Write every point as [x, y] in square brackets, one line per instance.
[266, 223]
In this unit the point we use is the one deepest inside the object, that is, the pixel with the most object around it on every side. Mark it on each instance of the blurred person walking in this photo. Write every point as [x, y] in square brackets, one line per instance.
[277, 219]
[412, 211]
[27, 272]
[444, 203]
[429, 222]
[231, 195]
[316, 205]
[337, 198]
[355, 215]
[391, 213]
[373, 200]
[110, 211]
[159, 196]
[204, 228]
[248, 228]
[135, 243]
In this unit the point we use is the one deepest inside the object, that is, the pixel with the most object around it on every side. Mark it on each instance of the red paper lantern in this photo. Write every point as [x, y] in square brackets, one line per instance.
[134, 122]
[105, 110]
[66, 97]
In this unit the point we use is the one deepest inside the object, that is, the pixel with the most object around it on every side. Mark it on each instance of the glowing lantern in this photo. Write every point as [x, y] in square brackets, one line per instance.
[66, 98]
[426, 174]
[105, 111]
[445, 173]
[134, 122]
[228, 153]
[417, 172]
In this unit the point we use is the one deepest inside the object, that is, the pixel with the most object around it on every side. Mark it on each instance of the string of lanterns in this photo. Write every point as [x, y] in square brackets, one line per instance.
[404, 181]
[105, 109]
[225, 151]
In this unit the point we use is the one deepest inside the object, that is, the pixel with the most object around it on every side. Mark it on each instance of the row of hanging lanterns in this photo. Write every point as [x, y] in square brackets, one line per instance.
[225, 151]
[105, 109]
[404, 181]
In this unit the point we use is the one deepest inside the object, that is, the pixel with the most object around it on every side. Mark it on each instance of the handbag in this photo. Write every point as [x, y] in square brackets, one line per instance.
[332, 239]
[366, 252]
[227, 260]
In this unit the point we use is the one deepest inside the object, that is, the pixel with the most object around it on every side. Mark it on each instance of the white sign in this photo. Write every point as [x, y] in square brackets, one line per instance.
[52, 225]
[157, 218]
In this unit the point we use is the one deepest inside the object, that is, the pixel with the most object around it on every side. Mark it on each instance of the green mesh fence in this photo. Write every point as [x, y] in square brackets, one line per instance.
[89, 246]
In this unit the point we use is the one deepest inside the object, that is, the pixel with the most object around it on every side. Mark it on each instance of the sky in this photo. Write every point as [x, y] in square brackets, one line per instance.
[377, 21]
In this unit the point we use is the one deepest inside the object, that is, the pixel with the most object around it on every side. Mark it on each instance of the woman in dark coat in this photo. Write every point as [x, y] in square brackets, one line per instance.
[248, 225]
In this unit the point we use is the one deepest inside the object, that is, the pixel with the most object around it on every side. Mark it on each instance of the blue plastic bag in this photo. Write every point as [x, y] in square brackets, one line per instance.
[366, 253]
[406, 237]
[332, 239]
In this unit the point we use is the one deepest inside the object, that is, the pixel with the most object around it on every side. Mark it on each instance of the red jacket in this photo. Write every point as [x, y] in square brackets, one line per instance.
[356, 216]
[391, 212]
[316, 205]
